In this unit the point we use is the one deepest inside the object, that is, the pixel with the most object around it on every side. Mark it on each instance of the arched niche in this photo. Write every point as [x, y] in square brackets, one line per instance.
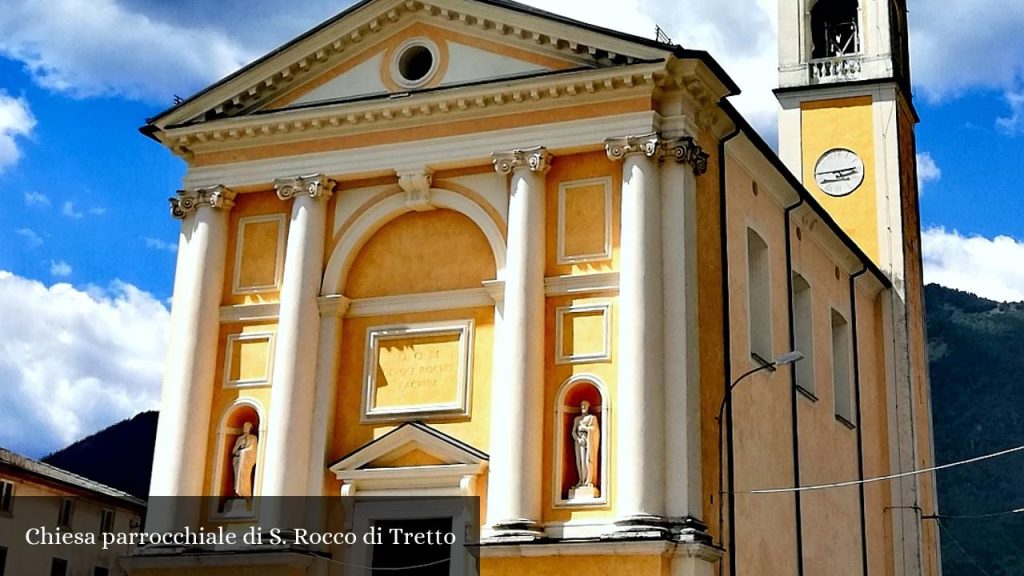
[571, 394]
[230, 428]
[377, 215]
[835, 28]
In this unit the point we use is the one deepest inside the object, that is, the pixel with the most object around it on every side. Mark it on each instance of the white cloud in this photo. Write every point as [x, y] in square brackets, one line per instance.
[158, 244]
[31, 238]
[16, 121]
[36, 199]
[60, 269]
[927, 171]
[73, 361]
[987, 267]
[1011, 123]
[98, 47]
[740, 34]
[68, 209]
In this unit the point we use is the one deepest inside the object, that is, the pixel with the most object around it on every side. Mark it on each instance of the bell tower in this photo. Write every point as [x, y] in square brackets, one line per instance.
[846, 130]
[847, 123]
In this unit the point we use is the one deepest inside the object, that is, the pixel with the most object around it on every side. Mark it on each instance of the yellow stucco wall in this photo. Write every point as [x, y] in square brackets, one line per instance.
[576, 565]
[844, 123]
[255, 262]
[762, 404]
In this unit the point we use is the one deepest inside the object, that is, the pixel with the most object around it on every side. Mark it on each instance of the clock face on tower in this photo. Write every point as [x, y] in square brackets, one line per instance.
[839, 172]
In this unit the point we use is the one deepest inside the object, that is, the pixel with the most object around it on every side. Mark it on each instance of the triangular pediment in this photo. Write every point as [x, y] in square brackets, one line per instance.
[358, 55]
[411, 445]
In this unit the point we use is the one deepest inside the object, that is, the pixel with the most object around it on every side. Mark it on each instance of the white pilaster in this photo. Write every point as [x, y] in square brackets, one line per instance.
[289, 436]
[683, 493]
[514, 489]
[180, 456]
[640, 415]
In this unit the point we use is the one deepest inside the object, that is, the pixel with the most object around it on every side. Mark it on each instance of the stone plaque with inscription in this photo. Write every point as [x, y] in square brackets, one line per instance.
[416, 371]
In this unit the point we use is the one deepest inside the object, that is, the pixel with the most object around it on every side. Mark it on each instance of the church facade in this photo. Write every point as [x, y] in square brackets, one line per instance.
[470, 248]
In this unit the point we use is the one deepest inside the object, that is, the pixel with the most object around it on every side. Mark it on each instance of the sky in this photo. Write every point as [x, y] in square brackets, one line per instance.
[87, 246]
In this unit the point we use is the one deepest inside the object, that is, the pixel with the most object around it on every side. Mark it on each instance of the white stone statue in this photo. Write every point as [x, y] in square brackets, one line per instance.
[244, 461]
[586, 433]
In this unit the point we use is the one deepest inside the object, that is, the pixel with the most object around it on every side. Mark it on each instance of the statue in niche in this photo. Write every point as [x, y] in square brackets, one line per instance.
[586, 434]
[243, 460]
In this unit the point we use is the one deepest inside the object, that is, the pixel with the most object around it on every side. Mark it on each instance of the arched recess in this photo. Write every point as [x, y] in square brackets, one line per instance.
[229, 427]
[372, 219]
[571, 393]
[834, 27]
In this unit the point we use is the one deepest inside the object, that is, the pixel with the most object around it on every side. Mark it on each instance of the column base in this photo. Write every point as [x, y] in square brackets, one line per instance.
[639, 527]
[512, 531]
[689, 530]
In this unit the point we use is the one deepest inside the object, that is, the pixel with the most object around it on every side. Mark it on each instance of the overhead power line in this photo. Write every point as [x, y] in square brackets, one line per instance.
[972, 516]
[881, 478]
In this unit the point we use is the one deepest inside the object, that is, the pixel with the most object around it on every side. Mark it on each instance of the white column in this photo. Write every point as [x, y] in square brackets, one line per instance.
[332, 309]
[517, 393]
[640, 411]
[180, 457]
[683, 492]
[289, 434]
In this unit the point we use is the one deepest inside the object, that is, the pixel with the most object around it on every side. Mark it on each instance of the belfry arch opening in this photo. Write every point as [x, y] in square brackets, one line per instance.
[835, 28]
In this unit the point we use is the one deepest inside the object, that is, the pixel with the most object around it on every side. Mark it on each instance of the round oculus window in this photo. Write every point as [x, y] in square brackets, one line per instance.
[415, 63]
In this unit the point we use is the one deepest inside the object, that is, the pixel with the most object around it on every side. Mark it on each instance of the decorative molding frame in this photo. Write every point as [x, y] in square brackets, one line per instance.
[606, 254]
[422, 302]
[213, 513]
[557, 500]
[460, 408]
[581, 284]
[267, 335]
[236, 288]
[249, 313]
[561, 312]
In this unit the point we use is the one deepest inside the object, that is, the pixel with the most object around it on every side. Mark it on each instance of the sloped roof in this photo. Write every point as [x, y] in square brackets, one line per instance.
[46, 471]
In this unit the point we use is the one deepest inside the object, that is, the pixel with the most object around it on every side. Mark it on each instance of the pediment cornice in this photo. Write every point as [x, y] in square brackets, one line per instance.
[528, 95]
[353, 31]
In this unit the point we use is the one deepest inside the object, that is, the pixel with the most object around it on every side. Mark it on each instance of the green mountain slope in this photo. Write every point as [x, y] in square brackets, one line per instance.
[976, 353]
[120, 456]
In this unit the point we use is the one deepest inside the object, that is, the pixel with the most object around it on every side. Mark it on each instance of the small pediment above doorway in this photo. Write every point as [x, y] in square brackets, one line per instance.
[412, 460]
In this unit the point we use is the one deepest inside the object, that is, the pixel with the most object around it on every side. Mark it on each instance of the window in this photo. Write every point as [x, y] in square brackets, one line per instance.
[100, 571]
[803, 328]
[67, 510]
[107, 521]
[6, 496]
[834, 30]
[58, 567]
[3, 560]
[841, 368]
[759, 298]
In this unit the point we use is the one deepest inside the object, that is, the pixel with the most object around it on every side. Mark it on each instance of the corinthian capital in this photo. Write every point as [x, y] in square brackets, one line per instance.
[316, 186]
[536, 159]
[685, 149]
[647, 144]
[188, 201]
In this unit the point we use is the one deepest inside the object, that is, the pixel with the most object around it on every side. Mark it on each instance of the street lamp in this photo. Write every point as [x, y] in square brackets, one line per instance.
[787, 358]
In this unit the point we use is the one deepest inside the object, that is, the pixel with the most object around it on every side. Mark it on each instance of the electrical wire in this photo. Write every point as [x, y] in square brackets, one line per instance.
[972, 516]
[964, 551]
[377, 568]
[881, 478]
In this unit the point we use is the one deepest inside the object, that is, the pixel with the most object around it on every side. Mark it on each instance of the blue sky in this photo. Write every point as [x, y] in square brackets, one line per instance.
[87, 247]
